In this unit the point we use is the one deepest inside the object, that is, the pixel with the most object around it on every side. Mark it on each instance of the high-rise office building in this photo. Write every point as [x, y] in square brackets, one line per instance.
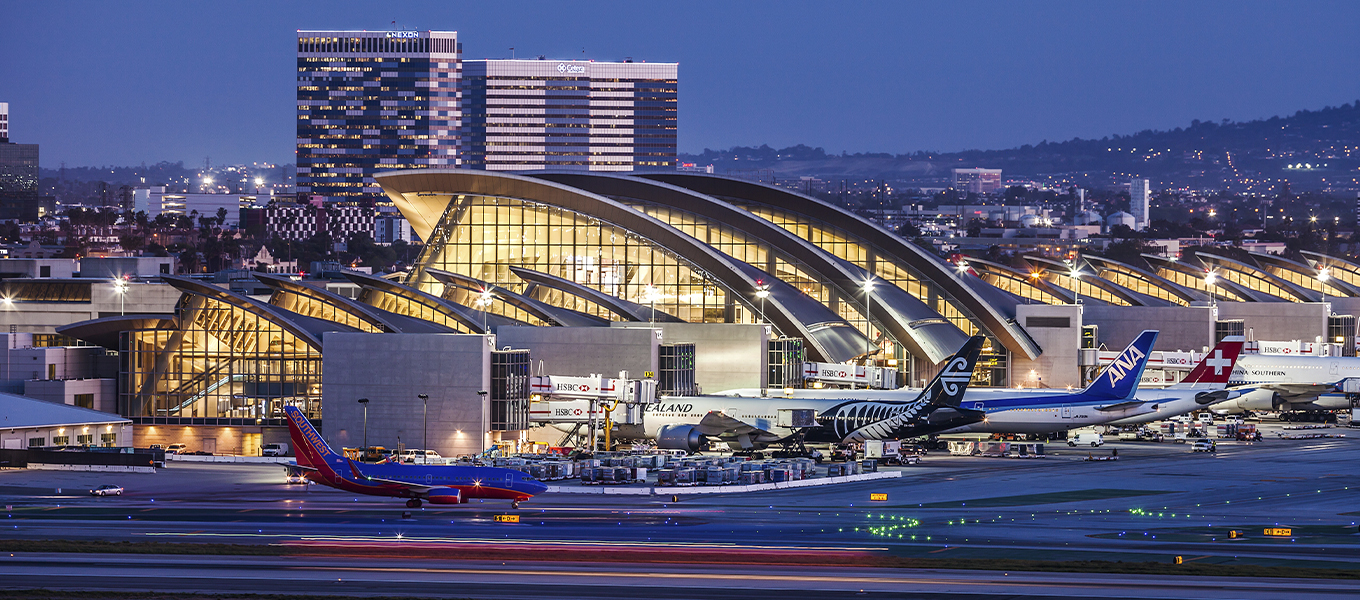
[521, 115]
[977, 181]
[371, 101]
[18, 177]
[1140, 193]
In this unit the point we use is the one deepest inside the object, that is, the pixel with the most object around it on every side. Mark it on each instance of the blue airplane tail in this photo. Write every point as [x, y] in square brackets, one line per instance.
[1119, 381]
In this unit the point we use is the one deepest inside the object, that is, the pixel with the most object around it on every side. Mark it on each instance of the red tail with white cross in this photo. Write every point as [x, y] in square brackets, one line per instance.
[1217, 365]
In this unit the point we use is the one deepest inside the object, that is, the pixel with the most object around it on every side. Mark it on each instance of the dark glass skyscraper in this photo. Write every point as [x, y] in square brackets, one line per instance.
[18, 176]
[372, 101]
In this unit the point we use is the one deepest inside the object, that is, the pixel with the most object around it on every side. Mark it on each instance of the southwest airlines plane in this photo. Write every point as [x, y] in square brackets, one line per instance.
[436, 484]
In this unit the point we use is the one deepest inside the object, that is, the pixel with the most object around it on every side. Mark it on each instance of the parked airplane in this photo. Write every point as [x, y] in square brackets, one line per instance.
[1007, 410]
[1292, 383]
[1203, 386]
[687, 423]
[436, 484]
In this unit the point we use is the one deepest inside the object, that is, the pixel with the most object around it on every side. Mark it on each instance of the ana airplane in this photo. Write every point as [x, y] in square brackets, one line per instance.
[1292, 383]
[688, 423]
[1007, 410]
[435, 484]
[1202, 387]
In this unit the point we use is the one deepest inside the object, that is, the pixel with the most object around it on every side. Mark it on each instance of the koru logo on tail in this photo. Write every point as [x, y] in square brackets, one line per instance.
[954, 374]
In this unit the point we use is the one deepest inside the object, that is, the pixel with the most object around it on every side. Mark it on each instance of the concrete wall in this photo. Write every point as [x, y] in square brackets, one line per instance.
[1056, 367]
[18, 438]
[58, 268]
[391, 370]
[580, 351]
[1278, 321]
[1179, 327]
[45, 317]
[726, 355]
[221, 441]
[121, 266]
[63, 391]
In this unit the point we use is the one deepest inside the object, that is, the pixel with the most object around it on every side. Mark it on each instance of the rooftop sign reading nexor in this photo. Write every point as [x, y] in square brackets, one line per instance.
[571, 69]
[403, 34]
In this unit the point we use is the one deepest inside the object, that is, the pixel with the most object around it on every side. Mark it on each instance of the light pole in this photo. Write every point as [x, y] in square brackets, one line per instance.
[484, 303]
[1210, 279]
[651, 293]
[120, 285]
[762, 292]
[425, 424]
[1323, 276]
[364, 402]
[868, 322]
[1075, 274]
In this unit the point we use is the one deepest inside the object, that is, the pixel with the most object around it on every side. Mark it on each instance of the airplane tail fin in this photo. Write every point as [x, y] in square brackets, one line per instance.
[1119, 381]
[311, 450]
[1217, 366]
[950, 383]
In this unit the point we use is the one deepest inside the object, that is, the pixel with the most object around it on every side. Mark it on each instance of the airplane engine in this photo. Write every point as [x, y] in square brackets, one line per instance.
[680, 437]
[1253, 400]
[447, 496]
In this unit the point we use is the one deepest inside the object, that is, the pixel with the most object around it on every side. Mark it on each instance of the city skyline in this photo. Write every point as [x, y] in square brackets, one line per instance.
[929, 77]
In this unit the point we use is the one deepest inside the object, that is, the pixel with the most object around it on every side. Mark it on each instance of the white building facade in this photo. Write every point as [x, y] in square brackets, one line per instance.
[522, 115]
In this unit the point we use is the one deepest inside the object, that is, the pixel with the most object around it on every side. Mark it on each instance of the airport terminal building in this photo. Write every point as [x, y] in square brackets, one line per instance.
[552, 263]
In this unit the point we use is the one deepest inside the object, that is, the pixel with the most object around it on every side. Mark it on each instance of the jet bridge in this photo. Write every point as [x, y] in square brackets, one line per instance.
[879, 378]
[570, 403]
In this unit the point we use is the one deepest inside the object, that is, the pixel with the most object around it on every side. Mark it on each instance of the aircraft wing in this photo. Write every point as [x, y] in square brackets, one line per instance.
[1294, 392]
[300, 467]
[1118, 406]
[718, 424]
[415, 487]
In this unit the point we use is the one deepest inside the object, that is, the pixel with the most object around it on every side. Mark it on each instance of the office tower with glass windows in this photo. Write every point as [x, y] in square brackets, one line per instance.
[1140, 194]
[371, 101]
[527, 115]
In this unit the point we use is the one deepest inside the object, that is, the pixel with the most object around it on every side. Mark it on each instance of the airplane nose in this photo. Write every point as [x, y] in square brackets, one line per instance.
[538, 488]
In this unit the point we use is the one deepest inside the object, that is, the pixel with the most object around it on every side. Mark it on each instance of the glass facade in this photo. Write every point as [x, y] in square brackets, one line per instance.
[371, 101]
[225, 361]
[487, 235]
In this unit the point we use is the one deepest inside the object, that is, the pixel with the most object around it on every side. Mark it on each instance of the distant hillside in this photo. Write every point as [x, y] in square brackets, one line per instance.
[1246, 156]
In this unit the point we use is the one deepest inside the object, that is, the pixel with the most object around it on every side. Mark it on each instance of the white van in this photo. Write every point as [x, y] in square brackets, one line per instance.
[1094, 440]
[423, 457]
[274, 449]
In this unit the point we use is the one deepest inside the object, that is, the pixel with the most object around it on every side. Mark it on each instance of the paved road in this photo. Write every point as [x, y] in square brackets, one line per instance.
[617, 581]
[1159, 501]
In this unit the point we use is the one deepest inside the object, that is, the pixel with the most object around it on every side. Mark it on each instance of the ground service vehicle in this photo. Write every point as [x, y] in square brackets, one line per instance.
[1204, 446]
[274, 449]
[441, 484]
[1094, 440]
[424, 457]
[107, 489]
[176, 448]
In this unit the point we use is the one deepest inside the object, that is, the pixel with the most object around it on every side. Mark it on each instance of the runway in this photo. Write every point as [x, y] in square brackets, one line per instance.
[617, 581]
[1159, 501]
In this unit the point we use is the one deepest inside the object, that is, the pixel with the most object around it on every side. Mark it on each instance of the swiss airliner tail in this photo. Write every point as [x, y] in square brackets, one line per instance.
[1217, 366]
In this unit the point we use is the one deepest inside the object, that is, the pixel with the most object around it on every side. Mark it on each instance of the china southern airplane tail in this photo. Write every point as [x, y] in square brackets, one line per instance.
[1119, 381]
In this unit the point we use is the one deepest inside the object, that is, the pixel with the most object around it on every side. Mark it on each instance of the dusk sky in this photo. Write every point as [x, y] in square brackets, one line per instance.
[112, 83]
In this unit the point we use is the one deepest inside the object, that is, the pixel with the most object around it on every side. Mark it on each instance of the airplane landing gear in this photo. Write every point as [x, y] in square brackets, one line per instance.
[413, 503]
[515, 504]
